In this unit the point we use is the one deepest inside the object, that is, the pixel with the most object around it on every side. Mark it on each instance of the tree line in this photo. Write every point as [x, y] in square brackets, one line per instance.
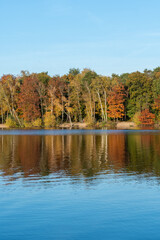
[37, 99]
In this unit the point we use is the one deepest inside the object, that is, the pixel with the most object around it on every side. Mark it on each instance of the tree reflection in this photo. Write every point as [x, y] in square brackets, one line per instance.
[86, 155]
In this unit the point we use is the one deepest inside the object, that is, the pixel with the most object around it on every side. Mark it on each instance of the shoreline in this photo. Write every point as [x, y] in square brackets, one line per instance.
[3, 126]
[99, 125]
[126, 125]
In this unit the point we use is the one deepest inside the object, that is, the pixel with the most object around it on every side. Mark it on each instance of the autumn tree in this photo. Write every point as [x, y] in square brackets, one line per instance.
[156, 105]
[43, 80]
[55, 104]
[9, 93]
[146, 117]
[89, 94]
[29, 99]
[116, 102]
[3, 106]
[76, 97]
[100, 89]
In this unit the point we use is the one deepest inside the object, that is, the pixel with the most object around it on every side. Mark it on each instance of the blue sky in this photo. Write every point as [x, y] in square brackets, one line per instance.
[54, 35]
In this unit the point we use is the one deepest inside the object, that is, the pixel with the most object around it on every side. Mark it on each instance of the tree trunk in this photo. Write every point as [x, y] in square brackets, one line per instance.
[79, 106]
[105, 100]
[90, 101]
[16, 116]
[52, 106]
[2, 113]
[101, 105]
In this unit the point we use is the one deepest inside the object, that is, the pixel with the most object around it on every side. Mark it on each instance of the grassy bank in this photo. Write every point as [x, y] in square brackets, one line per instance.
[79, 125]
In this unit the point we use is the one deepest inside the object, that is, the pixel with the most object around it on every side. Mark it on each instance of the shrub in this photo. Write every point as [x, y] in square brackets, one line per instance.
[136, 118]
[37, 122]
[11, 123]
[49, 120]
[27, 124]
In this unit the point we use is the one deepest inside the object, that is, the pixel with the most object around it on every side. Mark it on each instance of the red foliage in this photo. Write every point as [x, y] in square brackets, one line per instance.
[146, 118]
[29, 99]
[115, 101]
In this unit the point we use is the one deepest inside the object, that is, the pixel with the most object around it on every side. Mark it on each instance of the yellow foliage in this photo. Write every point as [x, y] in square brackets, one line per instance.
[49, 120]
[37, 123]
[27, 124]
[136, 118]
[11, 123]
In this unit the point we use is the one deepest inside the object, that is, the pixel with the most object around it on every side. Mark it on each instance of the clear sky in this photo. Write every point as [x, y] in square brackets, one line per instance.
[108, 36]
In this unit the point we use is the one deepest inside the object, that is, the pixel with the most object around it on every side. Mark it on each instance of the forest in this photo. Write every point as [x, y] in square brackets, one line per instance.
[41, 100]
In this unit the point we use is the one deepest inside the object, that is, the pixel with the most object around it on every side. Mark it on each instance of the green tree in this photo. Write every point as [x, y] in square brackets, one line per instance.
[140, 92]
[74, 71]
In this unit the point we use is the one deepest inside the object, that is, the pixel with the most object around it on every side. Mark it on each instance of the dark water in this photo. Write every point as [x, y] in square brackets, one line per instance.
[77, 184]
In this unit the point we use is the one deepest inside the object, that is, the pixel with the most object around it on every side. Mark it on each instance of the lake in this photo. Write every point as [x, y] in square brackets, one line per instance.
[79, 184]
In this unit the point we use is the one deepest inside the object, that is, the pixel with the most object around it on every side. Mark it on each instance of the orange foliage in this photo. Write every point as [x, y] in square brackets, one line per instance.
[29, 99]
[146, 118]
[156, 105]
[157, 74]
[115, 101]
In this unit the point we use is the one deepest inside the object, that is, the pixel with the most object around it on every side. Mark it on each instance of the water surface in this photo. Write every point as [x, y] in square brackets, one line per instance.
[79, 184]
